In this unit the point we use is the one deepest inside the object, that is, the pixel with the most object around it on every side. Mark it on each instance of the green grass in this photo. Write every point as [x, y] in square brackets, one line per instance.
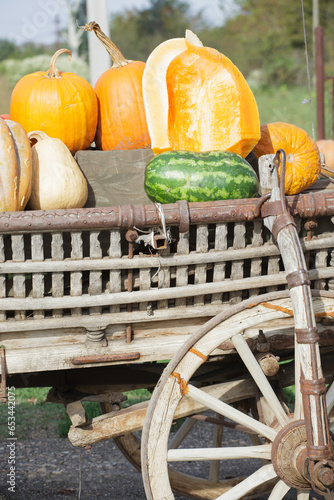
[286, 105]
[32, 413]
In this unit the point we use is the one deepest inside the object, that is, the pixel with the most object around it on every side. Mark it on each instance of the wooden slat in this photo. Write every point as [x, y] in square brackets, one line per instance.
[115, 278]
[95, 277]
[76, 277]
[219, 268]
[19, 280]
[331, 263]
[237, 271]
[2, 276]
[182, 271]
[321, 257]
[57, 253]
[146, 261]
[256, 263]
[37, 254]
[202, 246]
[164, 278]
[236, 286]
[145, 284]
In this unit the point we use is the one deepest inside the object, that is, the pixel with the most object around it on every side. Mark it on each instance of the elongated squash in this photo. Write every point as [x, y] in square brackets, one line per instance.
[16, 166]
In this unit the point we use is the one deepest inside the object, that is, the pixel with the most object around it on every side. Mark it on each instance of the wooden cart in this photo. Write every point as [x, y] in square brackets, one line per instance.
[194, 301]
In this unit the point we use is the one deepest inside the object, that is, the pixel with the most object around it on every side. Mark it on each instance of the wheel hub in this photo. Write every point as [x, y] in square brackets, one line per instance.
[287, 450]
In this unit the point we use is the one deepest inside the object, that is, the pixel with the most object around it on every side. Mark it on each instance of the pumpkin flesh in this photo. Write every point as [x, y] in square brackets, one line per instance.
[207, 97]
[197, 100]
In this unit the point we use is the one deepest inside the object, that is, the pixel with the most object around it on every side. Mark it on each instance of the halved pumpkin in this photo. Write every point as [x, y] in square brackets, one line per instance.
[196, 99]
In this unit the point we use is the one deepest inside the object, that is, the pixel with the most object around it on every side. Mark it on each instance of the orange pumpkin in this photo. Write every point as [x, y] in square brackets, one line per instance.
[121, 121]
[196, 99]
[302, 155]
[61, 104]
[326, 146]
[16, 166]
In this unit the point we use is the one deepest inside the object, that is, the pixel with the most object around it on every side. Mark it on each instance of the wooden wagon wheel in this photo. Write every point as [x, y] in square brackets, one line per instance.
[283, 439]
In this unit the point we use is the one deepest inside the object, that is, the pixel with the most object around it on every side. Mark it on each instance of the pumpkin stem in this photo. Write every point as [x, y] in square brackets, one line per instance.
[53, 71]
[116, 55]
[36, 135]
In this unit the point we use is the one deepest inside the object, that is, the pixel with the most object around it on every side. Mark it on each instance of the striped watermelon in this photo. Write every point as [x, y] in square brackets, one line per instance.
[208, 176]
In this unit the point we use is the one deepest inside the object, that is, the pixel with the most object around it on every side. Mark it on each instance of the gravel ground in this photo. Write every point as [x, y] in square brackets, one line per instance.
[49, 467]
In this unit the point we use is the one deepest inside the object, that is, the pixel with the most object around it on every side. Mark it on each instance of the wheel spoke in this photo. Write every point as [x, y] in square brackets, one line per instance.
[299, 414]
[261, 476]
[231, 413]
[181, 433]
[228, 453]
[330, 398]
[217, 441]
[279, 491]
[259, 377]
[303, 495]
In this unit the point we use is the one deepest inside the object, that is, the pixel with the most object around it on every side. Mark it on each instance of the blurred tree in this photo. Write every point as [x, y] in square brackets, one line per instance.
[7, 49]
[76, 38]
[269, 36]
[138, 32]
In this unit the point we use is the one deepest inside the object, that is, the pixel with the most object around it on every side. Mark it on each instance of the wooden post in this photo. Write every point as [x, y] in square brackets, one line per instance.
[320, 78]
[99, 59]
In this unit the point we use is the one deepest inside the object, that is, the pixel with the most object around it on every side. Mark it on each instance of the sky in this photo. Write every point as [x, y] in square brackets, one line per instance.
[34, 20]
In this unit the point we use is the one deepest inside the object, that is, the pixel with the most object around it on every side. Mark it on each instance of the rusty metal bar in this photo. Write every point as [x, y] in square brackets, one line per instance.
[320, 79]
[306, 205]
[3, 384]
[105, 358]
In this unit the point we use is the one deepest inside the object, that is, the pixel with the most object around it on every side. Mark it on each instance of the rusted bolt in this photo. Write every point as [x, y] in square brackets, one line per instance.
[262, 344]
[326, 476]
[131, 235]
[310, 224]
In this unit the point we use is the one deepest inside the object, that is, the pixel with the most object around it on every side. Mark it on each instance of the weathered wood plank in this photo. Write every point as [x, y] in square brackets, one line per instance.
[19, 279]
[219, 268]
[237, 271]
[256, 263]
[154, 294]
[2, 276]
[95, 277]
[57, 254]
[37, 254]
[76, 276]
[185, 258]
[115, 277]
[321, 258]
[202, 246]
[182, 270]
[164, 276]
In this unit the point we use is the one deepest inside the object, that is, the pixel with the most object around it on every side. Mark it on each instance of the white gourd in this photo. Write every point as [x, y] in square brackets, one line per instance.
[57, 181]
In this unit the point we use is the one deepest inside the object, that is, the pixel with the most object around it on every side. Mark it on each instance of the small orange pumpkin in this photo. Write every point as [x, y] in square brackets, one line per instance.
[303, 163]
[61, 104]
[16, 166]
[326, 146]
[121, 121]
